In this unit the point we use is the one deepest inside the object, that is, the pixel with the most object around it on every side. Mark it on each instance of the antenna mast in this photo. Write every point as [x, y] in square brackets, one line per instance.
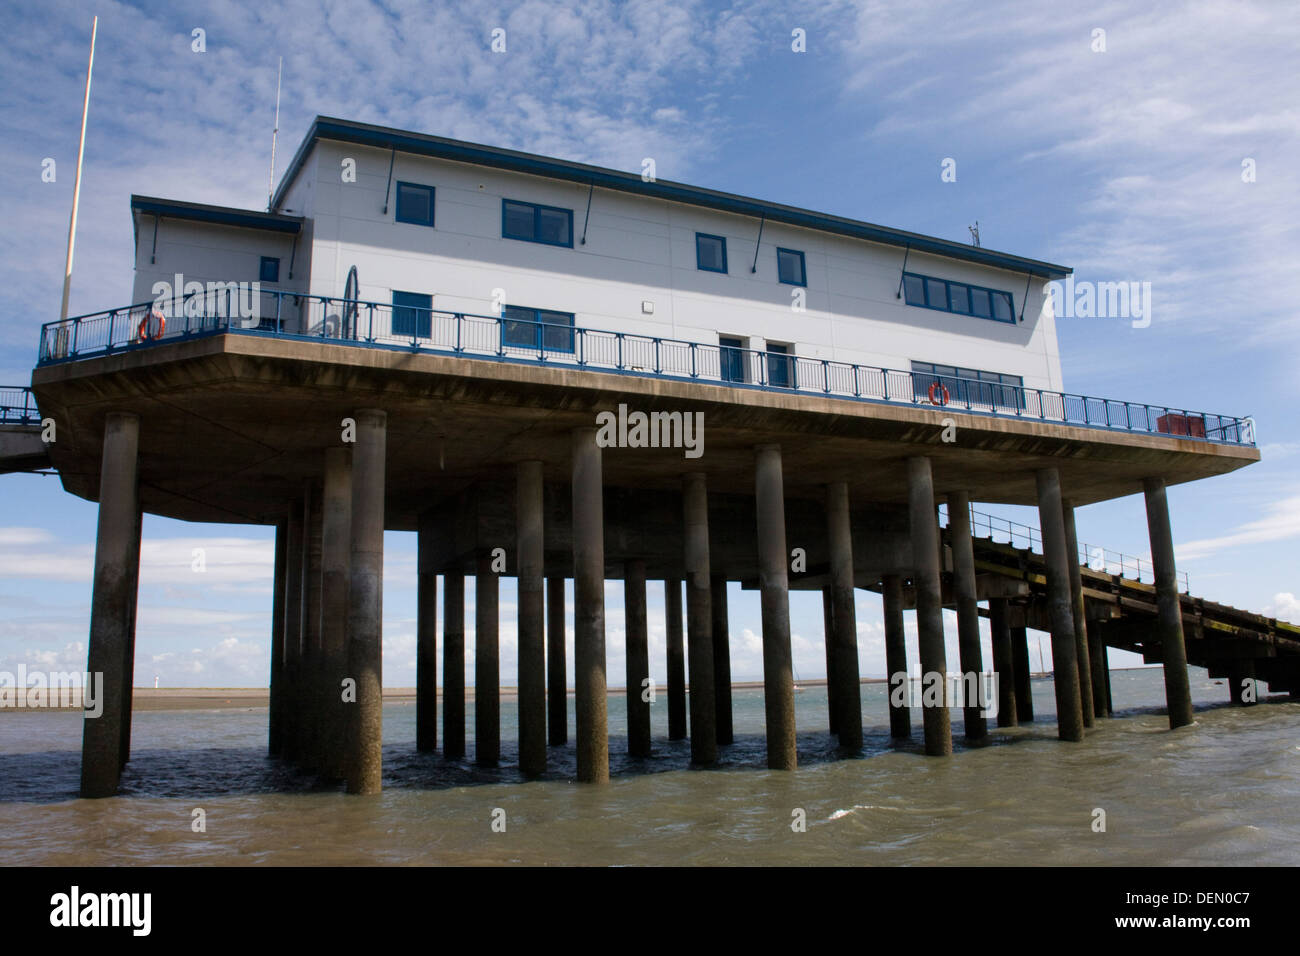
[270, 182]
[76, 185]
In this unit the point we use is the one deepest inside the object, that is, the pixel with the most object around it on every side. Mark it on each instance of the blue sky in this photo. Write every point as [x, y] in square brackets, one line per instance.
[1125, 164]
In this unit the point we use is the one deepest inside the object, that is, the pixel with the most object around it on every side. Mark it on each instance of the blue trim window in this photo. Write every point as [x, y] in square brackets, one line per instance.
[269, 270]
[414, 204]
[540, 329]
[412, 314]
[790, 267]
[710, 252]
[961, 298]
[530, 222]
[964, 385]
[780, 366]
[731, 360]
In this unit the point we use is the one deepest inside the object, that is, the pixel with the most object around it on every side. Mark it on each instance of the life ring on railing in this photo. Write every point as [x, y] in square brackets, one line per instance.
[940, 389]
[143, 333]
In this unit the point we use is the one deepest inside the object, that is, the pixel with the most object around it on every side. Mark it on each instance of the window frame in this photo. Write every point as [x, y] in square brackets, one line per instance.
[537, 215]
[397, 204]
[731, 358]
[699, 265]
[970, 287]
[992, 387]
[417, 312]
[539, 328]
[803, 267]
[785, 350]
[261, 269]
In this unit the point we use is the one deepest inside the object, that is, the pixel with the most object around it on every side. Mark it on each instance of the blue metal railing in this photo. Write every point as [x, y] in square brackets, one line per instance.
[380, 325]
[18, 406]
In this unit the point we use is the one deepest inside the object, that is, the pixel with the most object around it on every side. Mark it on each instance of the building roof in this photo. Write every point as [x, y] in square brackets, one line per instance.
[422, 144]
[224, 215]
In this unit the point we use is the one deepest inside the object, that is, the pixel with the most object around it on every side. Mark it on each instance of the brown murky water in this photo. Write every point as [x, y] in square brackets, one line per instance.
[1223, 791]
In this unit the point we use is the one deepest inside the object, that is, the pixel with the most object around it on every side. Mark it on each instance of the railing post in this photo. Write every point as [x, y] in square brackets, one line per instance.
[619, 364]
[659, 365]
[826, 375]
[694, 370]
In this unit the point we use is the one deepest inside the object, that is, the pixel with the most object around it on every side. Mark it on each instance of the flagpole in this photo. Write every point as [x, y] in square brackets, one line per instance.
[76, 187]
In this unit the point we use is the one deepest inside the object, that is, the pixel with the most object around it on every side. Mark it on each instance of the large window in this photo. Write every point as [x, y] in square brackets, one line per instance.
[539, 329]
[959, 297]
[710, 252]
[412, 315]
[731, 359]
[963, 385]
[414, 204]
[790, 267]
[269, 270]
[533, 223]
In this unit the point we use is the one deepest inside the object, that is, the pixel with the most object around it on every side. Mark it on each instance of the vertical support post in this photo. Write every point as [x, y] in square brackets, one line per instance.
[295, 528]
[313, 671]
[773, 576]
[900, 717]
[1097, 663]
[557, 700]
[676, 659]
[589, 609]
[1169, 614]
[532, 618]
[128, 659]
[1000, 631]
[968, 612]
[638, 658]
[722, 660]
[116, 580]
[1105, 660]
[366, 601]
[487, 664]
[828, 630]
[1065, 660]
[1087, 701]
[275, 717]
[843, 635]
[929, 608]
[426, 638]
[699, 615]
[1024, 682]
[336, 574]
[453, 664]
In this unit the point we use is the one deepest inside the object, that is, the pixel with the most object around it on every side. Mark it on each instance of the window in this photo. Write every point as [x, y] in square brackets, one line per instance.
[969, 385]
[414, 204]
[958, 297]
[539, 329]
[731, 359]
[790, 267]
[780, 366]
[412, 314]
[710, 253]
[533, 223]
[269, 270]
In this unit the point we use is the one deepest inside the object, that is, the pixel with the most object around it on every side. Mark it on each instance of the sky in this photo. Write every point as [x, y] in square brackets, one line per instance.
[1149, 143]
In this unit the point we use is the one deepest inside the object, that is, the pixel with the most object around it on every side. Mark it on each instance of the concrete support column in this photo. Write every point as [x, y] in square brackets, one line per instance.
[1065, 659]
[128, 657]
[487, 664]
[1003, 666]
[638, 659]
[1024, 682]
[699, 619]
[828, 631]
[773, 576]
[294, 595]
[366, 601]
[1169, 614]
[1086, 699]
[722, 660]
[426, 639]
[676, 659]
[843, 635]
[929, 608]
[532, 618]
[1241, 683]
[116, 581]
[589, 609]
[275, 717]
[310, 759]
[453, 665]
[1105, 662]
[557, 700]
[336, 582]
[968, 611]
[1100, 679]
[900, 718]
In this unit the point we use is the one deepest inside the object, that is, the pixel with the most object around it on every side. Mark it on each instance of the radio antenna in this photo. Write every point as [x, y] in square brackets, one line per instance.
[270, 182]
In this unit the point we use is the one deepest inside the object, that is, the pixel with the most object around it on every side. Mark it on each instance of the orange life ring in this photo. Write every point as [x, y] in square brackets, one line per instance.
[942, 391]
[143, 331]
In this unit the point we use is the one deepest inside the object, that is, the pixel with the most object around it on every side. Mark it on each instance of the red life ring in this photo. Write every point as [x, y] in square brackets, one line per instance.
[939, 386]
[155, 316]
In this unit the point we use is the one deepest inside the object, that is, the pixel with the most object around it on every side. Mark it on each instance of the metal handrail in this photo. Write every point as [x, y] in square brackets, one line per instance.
[382, 325]
[18, 406]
